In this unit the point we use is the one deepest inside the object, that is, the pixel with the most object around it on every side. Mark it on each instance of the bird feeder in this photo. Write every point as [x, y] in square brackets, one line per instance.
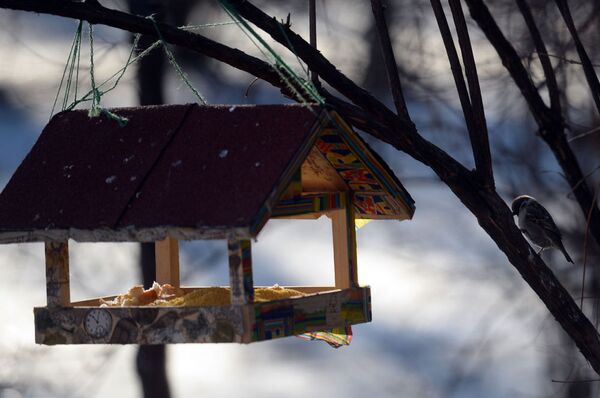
[190, 172]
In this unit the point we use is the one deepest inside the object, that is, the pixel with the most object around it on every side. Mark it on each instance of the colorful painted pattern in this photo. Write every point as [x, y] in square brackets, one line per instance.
[346, 162]
[336, 337]
[139, 325]
[316, 316]
[240, 271]
[309, 204]
[357, 171]
[350, 214]
[372, 204]
[204, 324]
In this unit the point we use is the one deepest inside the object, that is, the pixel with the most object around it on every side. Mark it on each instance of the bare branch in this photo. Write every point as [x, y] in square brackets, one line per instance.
[389, 58]
[540, 47]
[551, 124]
[477, 136]
[94, 13]
[480, 137]
[588, 68]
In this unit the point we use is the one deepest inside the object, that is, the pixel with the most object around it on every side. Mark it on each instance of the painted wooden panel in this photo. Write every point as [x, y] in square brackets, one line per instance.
[309, 204]
[319, 312]
[57, 274]
[240, 271]
[211, 324]
[138, 325]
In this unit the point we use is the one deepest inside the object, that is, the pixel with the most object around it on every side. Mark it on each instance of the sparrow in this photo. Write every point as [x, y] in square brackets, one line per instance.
[537, 224]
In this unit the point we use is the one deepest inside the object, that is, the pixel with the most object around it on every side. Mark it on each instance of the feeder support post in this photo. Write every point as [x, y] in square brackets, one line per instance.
[167, 261]
[344, 243]
[240, 271]
[58, 292]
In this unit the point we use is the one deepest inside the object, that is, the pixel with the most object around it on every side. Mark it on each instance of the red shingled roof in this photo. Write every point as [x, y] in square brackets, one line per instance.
[197, 169]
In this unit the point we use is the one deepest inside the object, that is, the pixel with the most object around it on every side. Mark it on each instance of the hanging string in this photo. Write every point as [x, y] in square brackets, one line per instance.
[288, 76]
[74, 53]
[174, 63]
[118, 74]
[96, 110]
[95, 94]
[294, 82]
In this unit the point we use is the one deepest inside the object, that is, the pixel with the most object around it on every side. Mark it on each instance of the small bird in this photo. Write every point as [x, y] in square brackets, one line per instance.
[537, 224]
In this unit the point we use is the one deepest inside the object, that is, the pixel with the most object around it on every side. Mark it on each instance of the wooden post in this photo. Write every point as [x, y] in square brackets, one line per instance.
[240, 271]
[167, 261]
[344, 244]
[58, 292]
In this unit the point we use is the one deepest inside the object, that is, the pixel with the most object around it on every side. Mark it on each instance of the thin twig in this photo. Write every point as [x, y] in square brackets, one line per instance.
[586, 63]
[564, 59]
[584, 134]
[389, 58]
[553, 90]
[312, 22]
[250, 86]
[585, 246]
[575, 381]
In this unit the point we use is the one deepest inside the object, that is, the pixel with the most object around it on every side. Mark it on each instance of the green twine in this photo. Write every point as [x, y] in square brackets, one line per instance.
[96, 110]
[281, 67]
[118, 74]
[72, 59]
[174, 63]
[96, 92]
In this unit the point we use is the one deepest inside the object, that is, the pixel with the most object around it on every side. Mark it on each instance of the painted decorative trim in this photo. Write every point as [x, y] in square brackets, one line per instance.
[122, 235]
[315, 313]
[58, 291]
[216, 324]
[309, 204]
[240, 271]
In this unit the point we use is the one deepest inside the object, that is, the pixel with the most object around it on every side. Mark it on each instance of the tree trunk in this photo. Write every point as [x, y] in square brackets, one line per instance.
[151, 359]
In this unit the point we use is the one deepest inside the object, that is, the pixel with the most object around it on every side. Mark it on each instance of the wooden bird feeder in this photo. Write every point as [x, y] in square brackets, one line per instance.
[190, 172]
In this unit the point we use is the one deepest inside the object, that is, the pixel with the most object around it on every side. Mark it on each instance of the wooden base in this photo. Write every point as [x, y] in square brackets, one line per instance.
[90, 324]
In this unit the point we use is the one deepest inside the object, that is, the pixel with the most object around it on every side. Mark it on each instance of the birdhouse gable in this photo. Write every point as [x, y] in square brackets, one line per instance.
[341, 162]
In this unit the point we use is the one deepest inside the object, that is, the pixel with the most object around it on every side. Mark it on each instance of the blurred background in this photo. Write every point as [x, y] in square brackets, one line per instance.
[451, 317]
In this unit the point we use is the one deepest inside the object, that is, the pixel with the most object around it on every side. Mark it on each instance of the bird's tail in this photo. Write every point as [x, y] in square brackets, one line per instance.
[561, 247]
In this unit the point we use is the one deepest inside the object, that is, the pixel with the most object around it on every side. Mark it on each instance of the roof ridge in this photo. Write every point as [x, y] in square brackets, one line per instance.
[151, 169]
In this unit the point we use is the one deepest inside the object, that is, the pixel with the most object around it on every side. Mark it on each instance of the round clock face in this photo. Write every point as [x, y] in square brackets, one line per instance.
[98, 323]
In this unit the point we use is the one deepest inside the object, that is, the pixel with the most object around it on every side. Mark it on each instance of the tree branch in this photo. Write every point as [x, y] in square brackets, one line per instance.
[490, 210]
[551, 124]
[540, 48]
[480, 137]
[388, 57]
[588, 68]
[95, 13]
[475, 125]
